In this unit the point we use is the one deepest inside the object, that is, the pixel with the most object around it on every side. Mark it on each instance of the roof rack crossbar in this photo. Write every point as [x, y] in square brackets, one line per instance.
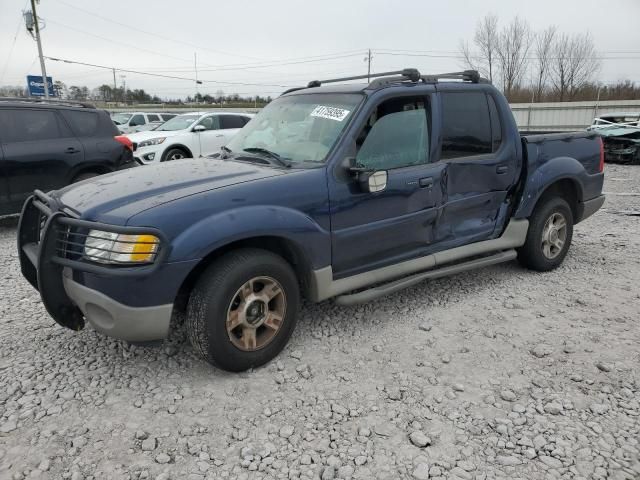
[72, 103]
[407, 74]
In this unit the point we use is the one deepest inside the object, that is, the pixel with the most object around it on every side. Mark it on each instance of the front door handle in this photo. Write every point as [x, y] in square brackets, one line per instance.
[72, 150]
[220, 136]
[500, 169]
[426, 182]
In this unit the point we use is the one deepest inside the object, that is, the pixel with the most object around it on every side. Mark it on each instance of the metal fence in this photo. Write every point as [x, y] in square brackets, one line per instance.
[566, 116]
[557, 116]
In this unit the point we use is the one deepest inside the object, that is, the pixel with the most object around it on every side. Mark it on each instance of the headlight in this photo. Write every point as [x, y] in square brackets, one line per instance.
[152, 141]
[118, 248]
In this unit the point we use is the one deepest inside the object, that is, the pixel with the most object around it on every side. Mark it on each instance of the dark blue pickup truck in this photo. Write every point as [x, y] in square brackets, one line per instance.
[349, 191]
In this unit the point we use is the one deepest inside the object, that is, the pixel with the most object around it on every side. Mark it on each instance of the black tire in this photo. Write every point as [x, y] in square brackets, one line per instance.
[213, 295]
[532, 253]
[84, 176]
[174, 154]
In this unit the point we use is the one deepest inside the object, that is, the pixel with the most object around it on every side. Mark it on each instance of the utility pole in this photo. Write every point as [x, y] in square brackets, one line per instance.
[368, 60]
[195, 66]
[42, 67]
[124, 88]
[115, 85]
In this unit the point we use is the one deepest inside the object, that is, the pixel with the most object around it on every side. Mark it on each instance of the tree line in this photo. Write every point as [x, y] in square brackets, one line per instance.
[539, 66]
[109, 94]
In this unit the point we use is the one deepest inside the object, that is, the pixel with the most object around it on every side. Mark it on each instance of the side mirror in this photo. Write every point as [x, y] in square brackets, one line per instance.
[199, 128]
[370, 181]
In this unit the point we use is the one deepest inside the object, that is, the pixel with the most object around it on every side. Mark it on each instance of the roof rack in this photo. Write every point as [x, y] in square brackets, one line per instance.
[70, 103]
[405, 75]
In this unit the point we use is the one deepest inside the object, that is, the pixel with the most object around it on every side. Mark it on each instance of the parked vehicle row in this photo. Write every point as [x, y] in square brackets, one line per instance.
[131, 122]
[50, 144]
[347, 192]
[190, 135]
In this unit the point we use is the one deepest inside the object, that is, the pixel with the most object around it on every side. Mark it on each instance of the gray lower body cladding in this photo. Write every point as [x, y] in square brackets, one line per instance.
[134, 324]
[323, 286]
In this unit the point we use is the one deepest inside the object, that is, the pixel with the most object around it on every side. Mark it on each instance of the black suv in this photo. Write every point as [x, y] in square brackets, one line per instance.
[48, 144]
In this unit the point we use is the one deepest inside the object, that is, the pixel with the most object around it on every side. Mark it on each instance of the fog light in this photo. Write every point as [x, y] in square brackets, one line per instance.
[150, 156]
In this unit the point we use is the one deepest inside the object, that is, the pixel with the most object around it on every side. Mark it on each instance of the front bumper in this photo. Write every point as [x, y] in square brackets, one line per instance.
[50, 255]
[134, 324]
[143, 155]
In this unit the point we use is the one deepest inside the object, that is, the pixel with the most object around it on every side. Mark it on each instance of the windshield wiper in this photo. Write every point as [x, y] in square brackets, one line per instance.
[273, 155]
[225, 152]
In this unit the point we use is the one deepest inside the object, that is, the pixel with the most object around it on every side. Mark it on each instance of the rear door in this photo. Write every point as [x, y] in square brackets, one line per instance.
[100, 150]
[480, 168]
[5, 207]
[39, 151]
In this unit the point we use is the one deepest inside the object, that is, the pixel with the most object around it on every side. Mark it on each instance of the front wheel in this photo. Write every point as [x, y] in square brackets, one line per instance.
[549, 235]
[243, 309]
[174, 154]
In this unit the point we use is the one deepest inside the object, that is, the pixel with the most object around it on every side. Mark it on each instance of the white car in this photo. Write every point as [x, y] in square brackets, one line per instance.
[128, 122]
[190, 135]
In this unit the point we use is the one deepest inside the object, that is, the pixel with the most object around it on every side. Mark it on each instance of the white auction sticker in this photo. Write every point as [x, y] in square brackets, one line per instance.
[332, 113]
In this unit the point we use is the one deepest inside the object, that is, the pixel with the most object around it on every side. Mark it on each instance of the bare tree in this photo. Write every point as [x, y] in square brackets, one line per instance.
[485, 40]
[583, 63]
[574, 64]
[544, 43]
[514, 42]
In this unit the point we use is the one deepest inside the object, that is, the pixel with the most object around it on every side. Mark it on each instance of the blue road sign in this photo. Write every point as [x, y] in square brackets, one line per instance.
[36, 86]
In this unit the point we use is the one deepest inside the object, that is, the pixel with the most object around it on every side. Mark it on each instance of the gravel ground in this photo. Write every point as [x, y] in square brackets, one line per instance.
[497, 373]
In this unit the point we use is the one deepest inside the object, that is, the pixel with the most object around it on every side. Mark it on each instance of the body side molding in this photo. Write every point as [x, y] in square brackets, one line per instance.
[323, 286]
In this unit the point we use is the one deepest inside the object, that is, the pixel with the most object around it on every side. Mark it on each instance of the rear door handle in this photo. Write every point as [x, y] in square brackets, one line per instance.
[500, 169]
[219, 136]
[426, 182]
[72, 150]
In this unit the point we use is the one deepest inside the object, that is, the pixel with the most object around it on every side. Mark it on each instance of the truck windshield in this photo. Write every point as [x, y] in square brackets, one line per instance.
[298, 128]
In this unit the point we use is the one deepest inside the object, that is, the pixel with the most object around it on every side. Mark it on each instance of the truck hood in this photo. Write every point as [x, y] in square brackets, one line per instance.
[146, 135]
[116, 197]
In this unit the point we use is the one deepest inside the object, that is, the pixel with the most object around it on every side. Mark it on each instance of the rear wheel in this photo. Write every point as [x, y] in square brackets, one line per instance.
[549, 236]
[243, 309]
[174, 154]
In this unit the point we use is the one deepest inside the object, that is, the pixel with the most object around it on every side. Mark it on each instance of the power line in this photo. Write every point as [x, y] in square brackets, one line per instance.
[461, 57]
[174, 77]
[283, 62]
[110, 40]
[138, 30]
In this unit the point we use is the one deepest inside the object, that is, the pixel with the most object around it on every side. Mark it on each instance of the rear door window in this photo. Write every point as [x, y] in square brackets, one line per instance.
[496, 125]
[84, 124]
[153, 118]
[26, 125]
[231, 121]
[466, 125]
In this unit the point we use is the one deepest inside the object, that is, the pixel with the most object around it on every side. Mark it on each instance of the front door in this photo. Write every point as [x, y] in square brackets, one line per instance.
[39, 151]
[479, 167]
[371, 230]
